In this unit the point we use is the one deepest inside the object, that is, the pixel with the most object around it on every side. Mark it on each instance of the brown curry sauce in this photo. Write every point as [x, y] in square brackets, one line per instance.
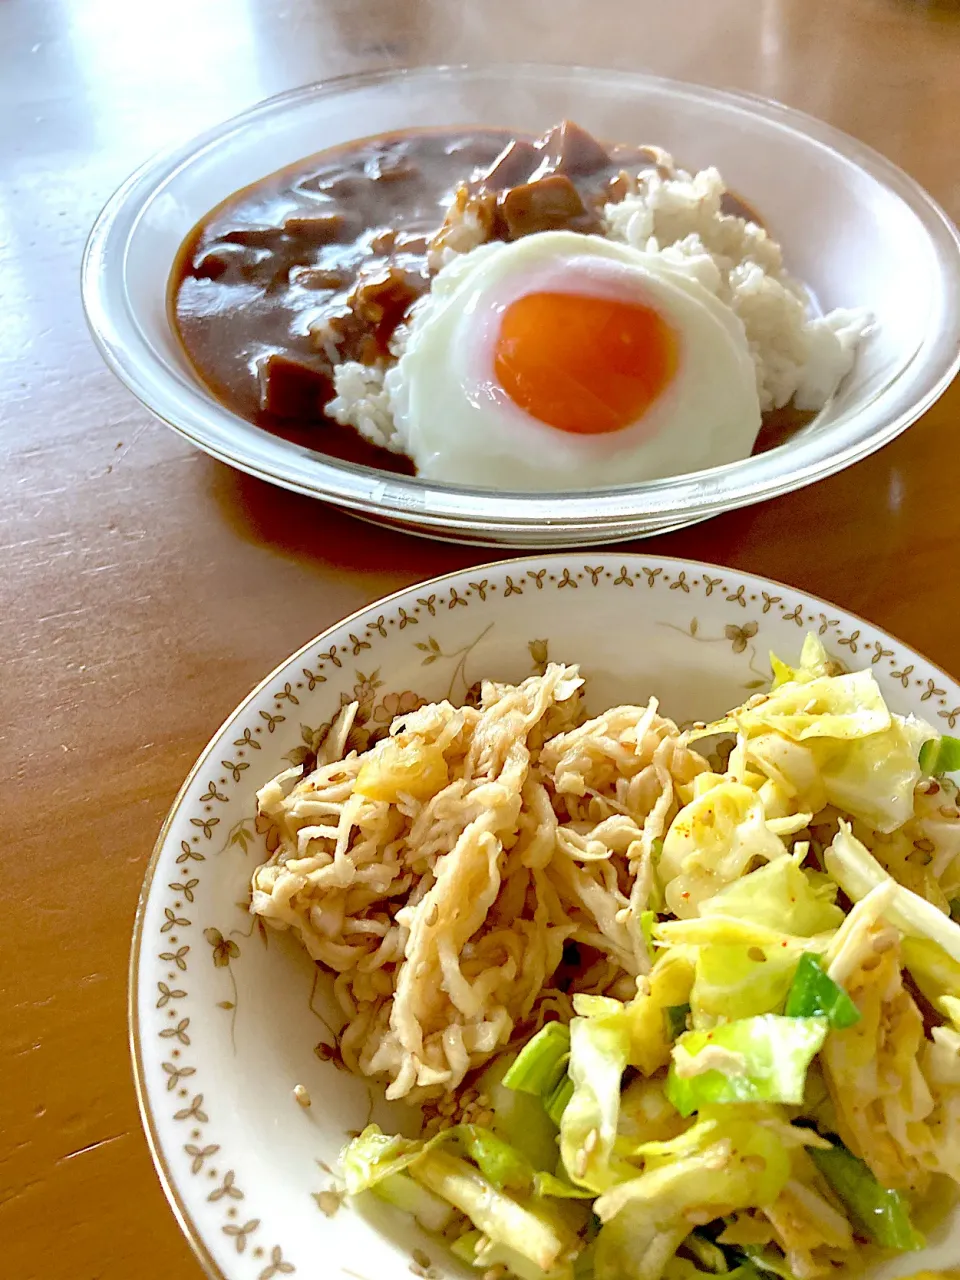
[320, 262]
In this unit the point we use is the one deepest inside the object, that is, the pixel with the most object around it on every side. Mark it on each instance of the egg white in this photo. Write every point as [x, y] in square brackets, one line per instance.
[459, 425]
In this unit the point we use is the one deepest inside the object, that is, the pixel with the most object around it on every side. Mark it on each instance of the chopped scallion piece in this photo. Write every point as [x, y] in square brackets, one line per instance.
[498, 1161]
[707, 1252]
[814, 992]
[883, 1214]
[648, 920]
[940, 755]
[675, 1016]
[556, 1103]
[542, 1062]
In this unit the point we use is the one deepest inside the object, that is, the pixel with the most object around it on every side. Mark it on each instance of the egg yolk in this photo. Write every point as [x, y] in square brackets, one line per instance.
[584, 364]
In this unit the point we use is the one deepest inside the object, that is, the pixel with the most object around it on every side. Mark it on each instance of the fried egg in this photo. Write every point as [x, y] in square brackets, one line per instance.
[566, 361]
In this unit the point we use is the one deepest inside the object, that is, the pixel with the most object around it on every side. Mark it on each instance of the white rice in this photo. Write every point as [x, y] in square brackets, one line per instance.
[362, 402]
[798, 356]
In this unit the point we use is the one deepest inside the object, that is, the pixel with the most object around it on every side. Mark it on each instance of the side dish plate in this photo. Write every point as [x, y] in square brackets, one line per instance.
[227, 1018]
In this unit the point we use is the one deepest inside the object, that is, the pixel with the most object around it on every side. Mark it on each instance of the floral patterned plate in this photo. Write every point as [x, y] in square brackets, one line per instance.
[227, 1018]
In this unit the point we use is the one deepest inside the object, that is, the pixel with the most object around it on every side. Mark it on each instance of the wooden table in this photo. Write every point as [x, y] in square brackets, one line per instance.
[133, 565]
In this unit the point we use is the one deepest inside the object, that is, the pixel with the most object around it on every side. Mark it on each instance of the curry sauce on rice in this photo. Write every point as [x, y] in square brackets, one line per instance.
[513, 313]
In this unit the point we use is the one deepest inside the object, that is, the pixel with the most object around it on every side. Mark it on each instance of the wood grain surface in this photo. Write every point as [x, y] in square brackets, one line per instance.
[145, 588]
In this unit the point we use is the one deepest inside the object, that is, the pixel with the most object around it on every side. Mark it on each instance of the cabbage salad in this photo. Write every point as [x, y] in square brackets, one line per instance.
[781, 1096]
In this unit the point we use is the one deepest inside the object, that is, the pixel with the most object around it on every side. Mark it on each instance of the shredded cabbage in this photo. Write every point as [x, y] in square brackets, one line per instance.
[667, 986]
[711, 842]
[780, 896]
[879, 1074]
[790, 768]
[935, 972]
[740, 982]
[764, 1028]
[844, 706]
[726, 1162]
[519, 1118]
[375, 1155]
[874, 777]
[403, 1192]
[477, 1250]
[814, 662]
[814, 992]
[761, 1059]
[940, 755]
[534, 1234]
[599, 1048]
[646, 1115]
[831, 739]
[857, 872]
[634, 1247]
[720, 930]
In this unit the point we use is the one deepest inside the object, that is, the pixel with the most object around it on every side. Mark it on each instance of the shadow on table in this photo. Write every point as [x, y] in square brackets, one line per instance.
[935, 8]
[311, 531]
[852, 563]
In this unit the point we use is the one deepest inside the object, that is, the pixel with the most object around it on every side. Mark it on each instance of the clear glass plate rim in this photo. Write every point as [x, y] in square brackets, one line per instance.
[698, 494]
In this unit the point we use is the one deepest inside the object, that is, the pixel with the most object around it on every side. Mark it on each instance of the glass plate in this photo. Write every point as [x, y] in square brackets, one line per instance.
[857, 229]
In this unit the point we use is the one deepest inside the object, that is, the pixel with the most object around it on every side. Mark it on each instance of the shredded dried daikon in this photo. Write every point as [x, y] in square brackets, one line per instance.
[441, 874]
